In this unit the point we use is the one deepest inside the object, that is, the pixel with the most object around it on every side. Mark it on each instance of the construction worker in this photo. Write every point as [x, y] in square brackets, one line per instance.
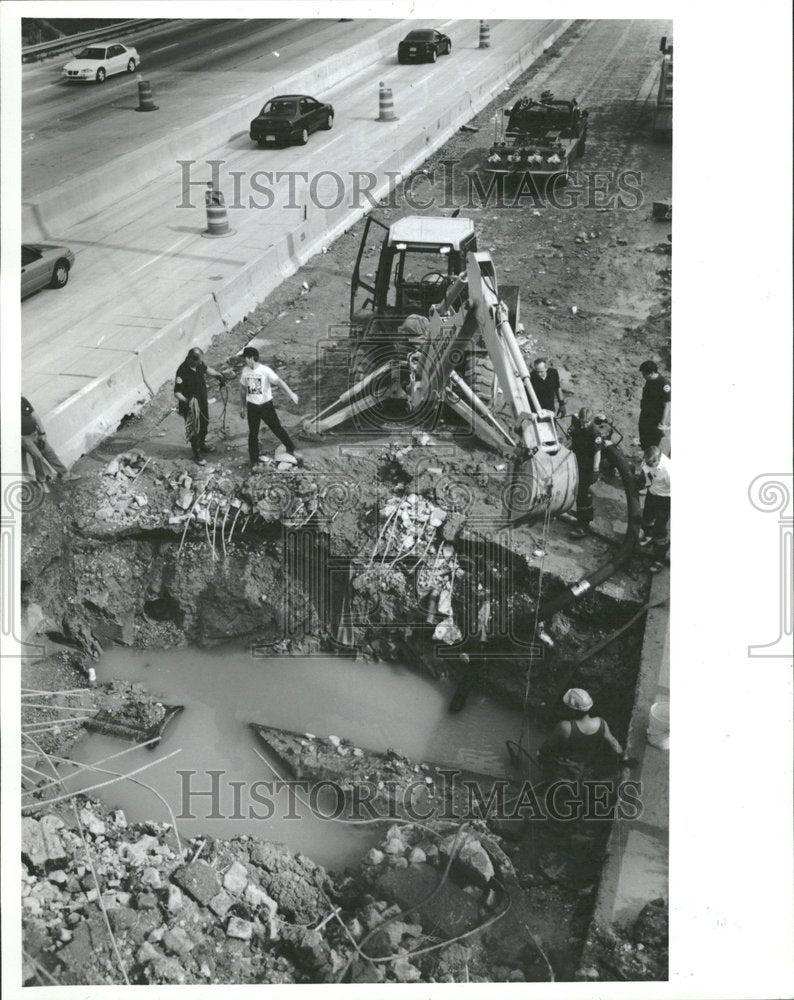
[190, 390]
[655, 476]
[546, 383]
[42, 454]
[580, 746]
[654, 406]
[256, 402]
[586, 444]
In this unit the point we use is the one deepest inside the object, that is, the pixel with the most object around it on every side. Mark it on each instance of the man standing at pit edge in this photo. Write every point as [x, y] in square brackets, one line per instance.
[654, 407]
[190, 390]
[546, 383]
[256, 402]
[655, 475]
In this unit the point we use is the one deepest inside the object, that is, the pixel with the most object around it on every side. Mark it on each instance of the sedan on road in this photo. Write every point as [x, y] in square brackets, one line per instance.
[423, 46]
[43, 265]
[290, 118]
[97, 62]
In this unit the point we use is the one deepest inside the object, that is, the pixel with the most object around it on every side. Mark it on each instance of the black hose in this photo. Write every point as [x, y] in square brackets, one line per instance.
[612, 456]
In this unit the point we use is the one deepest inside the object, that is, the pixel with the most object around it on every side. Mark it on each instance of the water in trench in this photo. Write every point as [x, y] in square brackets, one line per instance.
[376, 706]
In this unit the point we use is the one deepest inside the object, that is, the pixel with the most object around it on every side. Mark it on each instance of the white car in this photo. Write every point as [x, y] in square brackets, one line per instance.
[99, 61]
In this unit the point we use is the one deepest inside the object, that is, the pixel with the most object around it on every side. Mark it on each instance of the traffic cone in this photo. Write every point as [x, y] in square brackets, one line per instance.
[485, 35]
[145, 97]
[385, 104]
[217, 218]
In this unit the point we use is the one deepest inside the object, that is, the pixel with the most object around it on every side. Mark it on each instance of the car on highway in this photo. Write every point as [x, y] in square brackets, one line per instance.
[44, 265]
[290, 118]
[423, 45]
[97, 62]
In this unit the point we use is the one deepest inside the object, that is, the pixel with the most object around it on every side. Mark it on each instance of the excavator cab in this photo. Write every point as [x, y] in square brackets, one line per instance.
[420, 257]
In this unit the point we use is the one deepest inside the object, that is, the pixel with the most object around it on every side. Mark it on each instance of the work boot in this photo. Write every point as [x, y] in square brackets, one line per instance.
[580, 532]
[644, 541]
[199, 460]
[43, 485]
[656, 566]
[68, 477]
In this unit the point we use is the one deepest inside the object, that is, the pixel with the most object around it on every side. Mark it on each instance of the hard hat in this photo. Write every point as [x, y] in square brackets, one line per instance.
[578, 699]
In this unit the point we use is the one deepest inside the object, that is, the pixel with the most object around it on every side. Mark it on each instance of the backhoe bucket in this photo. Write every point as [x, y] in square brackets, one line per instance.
[539, 482]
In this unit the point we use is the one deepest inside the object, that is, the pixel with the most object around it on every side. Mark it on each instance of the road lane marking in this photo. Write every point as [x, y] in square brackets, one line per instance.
[330, 142]
[38, 90]
[164, 47]
[154, 260]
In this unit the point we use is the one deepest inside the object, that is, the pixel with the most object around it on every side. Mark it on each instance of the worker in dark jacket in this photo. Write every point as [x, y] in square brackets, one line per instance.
[190, 390]
[546, 383]
[579, 747]
[654, 406]
[46, 462]
[586, 444]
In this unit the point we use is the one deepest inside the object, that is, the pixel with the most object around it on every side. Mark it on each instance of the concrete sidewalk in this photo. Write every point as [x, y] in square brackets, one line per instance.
[637, 868]
[146, 286]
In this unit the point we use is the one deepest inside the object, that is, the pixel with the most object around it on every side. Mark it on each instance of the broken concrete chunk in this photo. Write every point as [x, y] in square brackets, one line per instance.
[92, 823]
[404, 972]
[472, 859]
[221, 903]
[151, 877]
[257, 897]
[175, 899]
[177, 942]
[147, 953]
[236, 878]
[50, 825]
[199, 880]
[136, 853]
[33, 850]
[239, 928]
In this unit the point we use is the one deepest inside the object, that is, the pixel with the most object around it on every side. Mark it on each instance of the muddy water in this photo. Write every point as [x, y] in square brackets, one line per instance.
[376, 706]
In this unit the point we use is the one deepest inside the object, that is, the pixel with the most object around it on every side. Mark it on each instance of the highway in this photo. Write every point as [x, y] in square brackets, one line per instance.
[196, 69]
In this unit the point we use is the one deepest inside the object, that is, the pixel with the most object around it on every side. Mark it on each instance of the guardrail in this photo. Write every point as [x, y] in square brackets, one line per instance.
[32, 52]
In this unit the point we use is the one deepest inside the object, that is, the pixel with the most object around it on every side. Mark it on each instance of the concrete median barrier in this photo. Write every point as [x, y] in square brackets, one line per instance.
[84, 419]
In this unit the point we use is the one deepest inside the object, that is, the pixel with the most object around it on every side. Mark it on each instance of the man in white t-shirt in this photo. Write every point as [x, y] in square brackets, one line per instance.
[655, 472]
[256, 402]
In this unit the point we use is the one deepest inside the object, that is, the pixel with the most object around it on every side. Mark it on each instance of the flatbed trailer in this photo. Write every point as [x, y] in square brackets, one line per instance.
[541, 139]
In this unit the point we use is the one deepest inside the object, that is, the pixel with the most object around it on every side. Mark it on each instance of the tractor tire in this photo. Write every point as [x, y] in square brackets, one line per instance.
[478, 372]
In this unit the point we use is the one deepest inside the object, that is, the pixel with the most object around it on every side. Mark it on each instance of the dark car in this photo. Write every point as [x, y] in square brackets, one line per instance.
[43, 265]
[423, 45]
[290, 118]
